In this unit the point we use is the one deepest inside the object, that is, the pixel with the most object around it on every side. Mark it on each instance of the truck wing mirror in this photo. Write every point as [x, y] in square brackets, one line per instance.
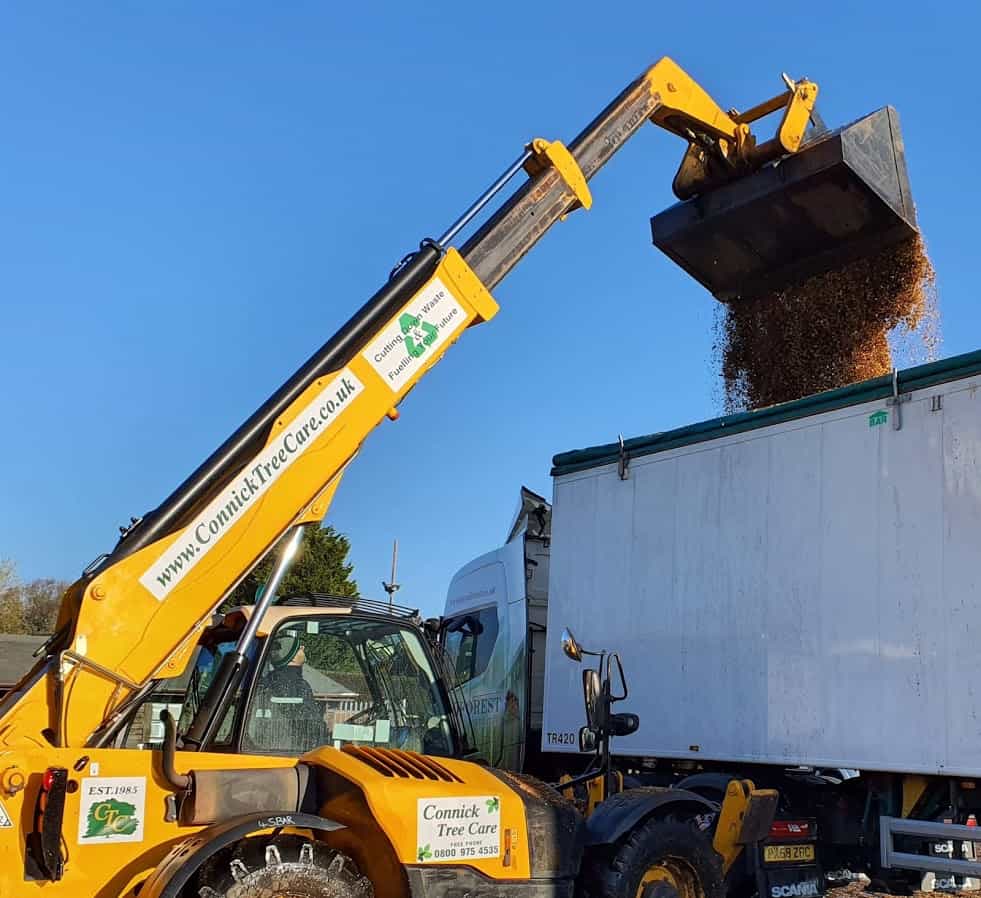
[592, 690]
[570, 646]
[623, 724]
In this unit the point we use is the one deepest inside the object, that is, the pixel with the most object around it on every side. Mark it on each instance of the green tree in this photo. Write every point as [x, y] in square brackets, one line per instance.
[40, 600]
[28, 607]
[11, 609]
[321, 566]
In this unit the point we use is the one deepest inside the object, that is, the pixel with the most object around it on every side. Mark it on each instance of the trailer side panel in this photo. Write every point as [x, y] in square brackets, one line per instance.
[801, 592]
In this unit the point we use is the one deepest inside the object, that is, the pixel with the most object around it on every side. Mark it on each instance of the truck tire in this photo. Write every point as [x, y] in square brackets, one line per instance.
[661, 858]
[284, 866]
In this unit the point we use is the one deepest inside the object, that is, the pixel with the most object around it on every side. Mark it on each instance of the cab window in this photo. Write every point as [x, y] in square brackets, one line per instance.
[182, 696]
[333, 681]
[469, 643]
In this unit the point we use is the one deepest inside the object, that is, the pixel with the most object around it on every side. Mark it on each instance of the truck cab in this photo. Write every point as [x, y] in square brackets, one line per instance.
[493, 634]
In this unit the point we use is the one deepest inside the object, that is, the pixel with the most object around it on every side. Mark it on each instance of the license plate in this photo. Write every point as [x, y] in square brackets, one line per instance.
[775, 854]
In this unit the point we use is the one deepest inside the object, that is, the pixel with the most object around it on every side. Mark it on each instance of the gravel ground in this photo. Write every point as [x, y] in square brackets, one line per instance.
[857, 890]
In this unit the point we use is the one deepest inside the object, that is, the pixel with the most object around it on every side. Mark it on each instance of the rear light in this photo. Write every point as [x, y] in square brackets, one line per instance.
[788, 830]
[44, 844]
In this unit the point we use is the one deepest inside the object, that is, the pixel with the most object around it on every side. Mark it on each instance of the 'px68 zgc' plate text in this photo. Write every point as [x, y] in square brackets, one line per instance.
[782, 854]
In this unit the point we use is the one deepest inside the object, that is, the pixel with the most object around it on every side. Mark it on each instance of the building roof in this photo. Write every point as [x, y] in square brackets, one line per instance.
[277, 614]
[918, 378]
[17, 656]
[325, 686]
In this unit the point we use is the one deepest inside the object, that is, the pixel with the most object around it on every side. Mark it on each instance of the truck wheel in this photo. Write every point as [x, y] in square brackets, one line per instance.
[283, 866]
[669, 858]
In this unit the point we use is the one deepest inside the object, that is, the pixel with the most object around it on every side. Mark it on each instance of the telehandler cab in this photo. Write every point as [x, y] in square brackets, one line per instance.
[83, 818]
[323, 670]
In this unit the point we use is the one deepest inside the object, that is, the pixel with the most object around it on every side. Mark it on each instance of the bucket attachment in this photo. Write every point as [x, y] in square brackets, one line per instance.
[843, 196]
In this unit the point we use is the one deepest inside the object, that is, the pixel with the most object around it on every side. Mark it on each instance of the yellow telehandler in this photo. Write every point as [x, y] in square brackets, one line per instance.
[384, 806]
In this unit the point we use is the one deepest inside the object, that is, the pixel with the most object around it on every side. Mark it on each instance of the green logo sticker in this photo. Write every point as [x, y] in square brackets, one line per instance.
[111, 818]
[878, 418]
[418, 334]
[424, 854]
[492, 805]
[422, 329]
[111, 809]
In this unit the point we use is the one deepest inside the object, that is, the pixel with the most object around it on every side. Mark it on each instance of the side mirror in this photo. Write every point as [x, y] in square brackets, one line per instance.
[592, 690]
[622, 724]
[570, 646]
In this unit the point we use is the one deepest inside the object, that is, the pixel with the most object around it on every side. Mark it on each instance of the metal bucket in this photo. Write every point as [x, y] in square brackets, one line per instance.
[844, 195]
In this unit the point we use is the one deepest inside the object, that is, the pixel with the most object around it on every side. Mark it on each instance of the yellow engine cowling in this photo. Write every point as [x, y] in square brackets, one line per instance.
[436, 814]
[412, 823]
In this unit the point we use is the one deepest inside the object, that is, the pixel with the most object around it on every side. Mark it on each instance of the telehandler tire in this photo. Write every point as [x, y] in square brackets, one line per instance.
[279, 867]
[662, 858]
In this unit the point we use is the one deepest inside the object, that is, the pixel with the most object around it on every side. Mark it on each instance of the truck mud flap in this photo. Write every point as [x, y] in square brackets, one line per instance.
[786, 862]
[793, 882]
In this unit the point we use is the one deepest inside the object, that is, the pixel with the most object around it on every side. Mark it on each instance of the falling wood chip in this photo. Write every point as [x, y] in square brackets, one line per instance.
[844, 326]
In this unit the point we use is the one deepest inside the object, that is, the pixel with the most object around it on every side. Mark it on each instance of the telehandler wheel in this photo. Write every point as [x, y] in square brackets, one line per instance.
[666, 858]
[279, 867]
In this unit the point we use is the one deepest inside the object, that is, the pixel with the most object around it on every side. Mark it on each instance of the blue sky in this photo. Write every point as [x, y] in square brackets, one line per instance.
[198, 195]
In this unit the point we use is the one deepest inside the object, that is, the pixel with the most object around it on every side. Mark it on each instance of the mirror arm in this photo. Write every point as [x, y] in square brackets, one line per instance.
[623, 679]
[582, 778]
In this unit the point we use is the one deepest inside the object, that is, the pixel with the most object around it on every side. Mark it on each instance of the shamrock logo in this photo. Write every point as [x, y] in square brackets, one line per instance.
[493, 804]
[424, 853]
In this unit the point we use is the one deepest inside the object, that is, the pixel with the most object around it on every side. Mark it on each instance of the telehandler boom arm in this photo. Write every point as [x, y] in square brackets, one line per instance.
[135, 614]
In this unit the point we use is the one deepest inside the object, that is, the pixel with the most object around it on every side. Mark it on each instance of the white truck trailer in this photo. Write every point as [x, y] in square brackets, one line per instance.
[797, 595]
